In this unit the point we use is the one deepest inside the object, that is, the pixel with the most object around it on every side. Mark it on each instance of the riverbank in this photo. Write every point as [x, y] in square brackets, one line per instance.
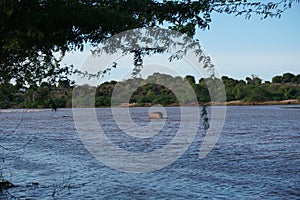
[242, 103]
[229, 103]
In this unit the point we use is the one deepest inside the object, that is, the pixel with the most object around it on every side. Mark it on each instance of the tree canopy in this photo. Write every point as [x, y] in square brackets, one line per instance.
[149, 93]
[32, 31]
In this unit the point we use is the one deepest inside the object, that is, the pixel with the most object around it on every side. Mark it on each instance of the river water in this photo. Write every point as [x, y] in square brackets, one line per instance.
[257, 157]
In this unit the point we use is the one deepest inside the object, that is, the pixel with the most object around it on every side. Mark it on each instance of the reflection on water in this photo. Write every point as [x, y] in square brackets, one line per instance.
[256, 157]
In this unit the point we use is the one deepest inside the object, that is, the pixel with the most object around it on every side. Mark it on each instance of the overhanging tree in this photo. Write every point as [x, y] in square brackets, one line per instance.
[32, 31]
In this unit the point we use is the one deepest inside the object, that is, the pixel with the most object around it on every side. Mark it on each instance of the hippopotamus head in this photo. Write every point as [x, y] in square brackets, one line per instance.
[156, 115]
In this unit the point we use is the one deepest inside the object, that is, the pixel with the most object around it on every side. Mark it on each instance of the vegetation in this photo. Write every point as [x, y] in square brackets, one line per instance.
[34, 32]
[252, 89]
[35, 96]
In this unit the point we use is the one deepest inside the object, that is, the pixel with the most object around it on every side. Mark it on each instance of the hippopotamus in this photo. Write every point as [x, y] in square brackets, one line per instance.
[156, 115]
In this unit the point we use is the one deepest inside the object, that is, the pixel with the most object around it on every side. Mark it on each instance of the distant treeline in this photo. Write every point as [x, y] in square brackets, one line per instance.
[156, 89]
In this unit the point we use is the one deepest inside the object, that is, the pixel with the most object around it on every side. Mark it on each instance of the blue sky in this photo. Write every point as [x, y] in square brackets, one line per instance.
[240, 47]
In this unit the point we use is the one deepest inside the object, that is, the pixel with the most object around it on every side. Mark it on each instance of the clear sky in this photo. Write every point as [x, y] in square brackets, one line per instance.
[240, 47]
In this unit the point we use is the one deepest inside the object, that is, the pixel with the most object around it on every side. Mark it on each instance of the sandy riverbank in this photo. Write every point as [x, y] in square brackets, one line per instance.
[230, 103]
[242, 103]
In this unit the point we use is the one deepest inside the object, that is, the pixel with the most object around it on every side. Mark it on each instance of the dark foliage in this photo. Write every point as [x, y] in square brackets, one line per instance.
[32, 31]
[148, 93]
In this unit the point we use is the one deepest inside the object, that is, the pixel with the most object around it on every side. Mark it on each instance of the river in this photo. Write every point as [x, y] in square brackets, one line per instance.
[257, 156]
